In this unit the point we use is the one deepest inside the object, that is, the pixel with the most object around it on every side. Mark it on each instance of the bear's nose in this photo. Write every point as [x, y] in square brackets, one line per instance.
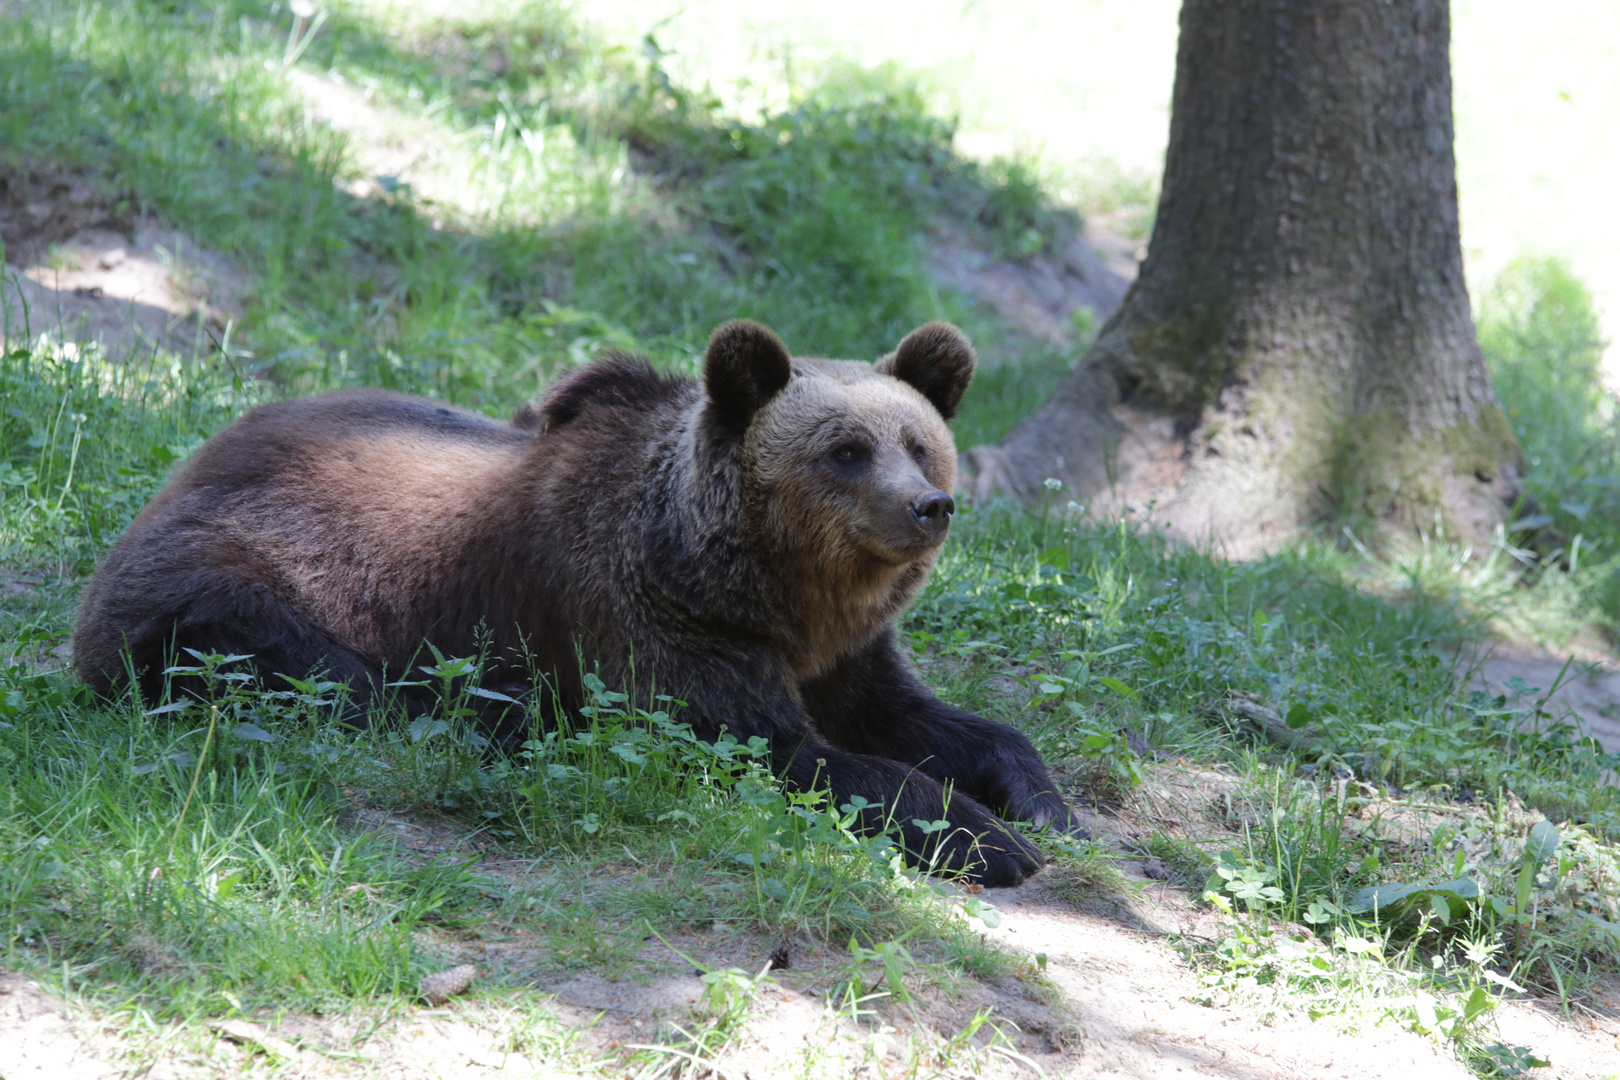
[933, 510]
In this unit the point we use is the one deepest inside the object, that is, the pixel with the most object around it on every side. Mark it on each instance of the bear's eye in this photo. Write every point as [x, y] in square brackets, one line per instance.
[918, 453]
[850, 453]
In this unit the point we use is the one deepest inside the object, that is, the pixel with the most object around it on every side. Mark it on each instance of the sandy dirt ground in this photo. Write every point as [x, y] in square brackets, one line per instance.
[1109, 987]
[1581, 685]
[81, 268]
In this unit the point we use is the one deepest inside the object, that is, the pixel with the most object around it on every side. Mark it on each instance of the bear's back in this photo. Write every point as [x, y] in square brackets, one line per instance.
[284, 438]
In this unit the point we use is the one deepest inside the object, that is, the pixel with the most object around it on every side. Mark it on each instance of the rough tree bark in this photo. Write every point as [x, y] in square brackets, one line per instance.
[1298, 349]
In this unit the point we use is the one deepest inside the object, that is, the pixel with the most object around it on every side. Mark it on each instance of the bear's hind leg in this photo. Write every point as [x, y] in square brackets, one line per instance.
[245, 618]
[300, 658]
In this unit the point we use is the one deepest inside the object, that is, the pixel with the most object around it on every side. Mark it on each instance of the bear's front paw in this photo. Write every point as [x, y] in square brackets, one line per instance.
[991, 854]
[996, 864]
[1049, 811]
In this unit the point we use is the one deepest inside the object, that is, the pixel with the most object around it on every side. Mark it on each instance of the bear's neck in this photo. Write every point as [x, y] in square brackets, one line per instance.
[836, 611]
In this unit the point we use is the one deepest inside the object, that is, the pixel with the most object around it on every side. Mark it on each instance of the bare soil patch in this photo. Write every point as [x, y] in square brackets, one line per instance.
[37, 1039]
[1040, 294]
[81, 266]
[1135, 998]
[1584, 685]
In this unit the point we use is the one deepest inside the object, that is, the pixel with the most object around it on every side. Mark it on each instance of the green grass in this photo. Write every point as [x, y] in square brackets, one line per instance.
[89, 439]
[1125, 630]
[1540, 335]
[206, 863]
[185, 857]
[182, 864]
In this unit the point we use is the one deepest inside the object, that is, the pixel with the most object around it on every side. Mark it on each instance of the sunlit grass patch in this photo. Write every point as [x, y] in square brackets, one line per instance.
[186, 864]
[88, 438]
[1540, 333]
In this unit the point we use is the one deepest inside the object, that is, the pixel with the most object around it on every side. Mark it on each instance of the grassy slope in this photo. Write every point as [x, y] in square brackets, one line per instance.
[233, 884]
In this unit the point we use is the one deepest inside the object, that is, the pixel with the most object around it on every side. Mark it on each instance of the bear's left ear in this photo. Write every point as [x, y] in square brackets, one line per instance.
[744, 367]
[938, 360]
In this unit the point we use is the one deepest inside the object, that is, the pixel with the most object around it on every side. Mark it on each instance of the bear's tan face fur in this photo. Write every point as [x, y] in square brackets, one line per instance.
[844, 472]
[834, 463]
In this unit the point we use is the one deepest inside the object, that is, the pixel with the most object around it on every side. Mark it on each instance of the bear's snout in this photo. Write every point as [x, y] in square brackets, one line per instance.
[932, 510]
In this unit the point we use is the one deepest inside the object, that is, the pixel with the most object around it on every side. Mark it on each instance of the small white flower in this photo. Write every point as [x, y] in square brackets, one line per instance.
[1053, 483]
[303, 9]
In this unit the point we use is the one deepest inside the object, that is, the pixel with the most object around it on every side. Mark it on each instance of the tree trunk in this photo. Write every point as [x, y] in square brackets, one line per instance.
[1298, 349]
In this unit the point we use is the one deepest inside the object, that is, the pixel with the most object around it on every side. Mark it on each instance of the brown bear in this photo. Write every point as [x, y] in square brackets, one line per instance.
[748, 541]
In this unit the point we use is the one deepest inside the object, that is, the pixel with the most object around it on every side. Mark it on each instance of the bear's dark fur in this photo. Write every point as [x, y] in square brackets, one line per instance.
[747, 542]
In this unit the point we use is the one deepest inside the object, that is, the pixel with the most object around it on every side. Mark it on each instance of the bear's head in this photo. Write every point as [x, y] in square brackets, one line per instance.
[846, 467]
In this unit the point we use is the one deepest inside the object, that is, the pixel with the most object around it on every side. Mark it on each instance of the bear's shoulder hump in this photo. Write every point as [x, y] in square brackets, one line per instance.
[614, 381]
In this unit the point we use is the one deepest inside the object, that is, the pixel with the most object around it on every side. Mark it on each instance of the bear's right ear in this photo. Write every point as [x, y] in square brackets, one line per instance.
[744, 367]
